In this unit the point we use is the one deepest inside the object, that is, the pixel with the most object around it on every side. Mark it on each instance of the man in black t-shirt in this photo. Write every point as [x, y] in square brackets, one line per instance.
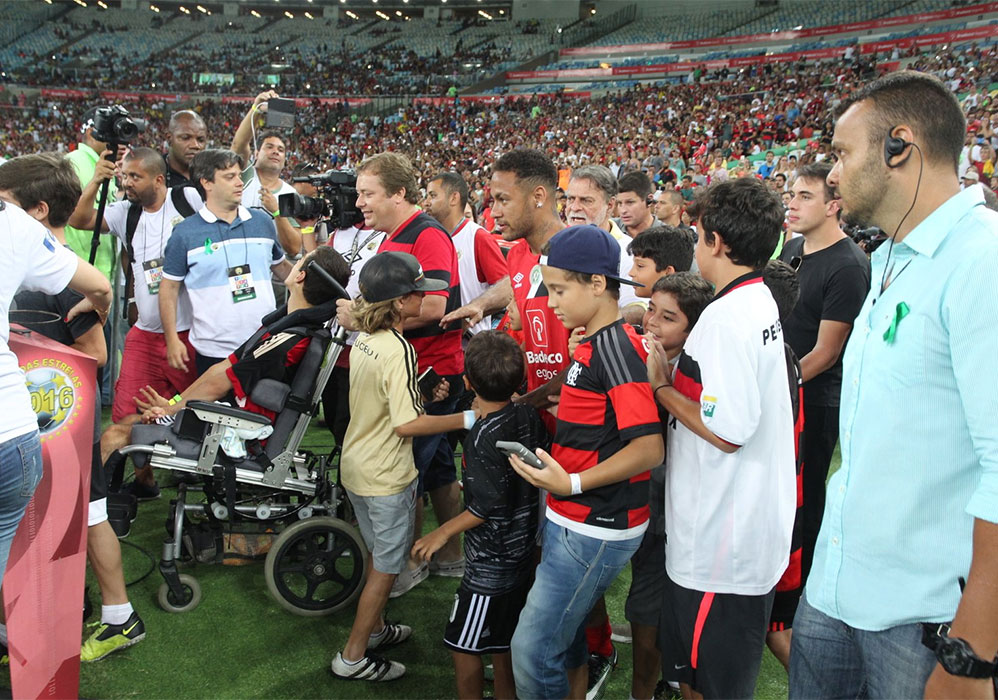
[834, 280]
[188, 137]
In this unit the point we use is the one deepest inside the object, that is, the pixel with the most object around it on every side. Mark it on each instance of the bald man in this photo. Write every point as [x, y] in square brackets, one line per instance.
[144, 183]
[188, 136]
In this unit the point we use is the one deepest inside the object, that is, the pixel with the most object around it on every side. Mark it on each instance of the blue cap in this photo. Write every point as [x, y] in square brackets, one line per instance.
[587, 249]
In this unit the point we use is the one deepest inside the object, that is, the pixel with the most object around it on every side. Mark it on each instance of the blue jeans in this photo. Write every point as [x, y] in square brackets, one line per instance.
[20, 472]
[574, 572]
[433, 454]
[830, 659]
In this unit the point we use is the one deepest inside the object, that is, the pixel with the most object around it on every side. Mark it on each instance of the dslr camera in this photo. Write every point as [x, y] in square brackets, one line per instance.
[337, 205]
[114, 125]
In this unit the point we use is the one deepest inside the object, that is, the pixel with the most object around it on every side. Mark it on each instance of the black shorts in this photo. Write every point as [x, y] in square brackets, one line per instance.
[98, 480]
[714, 641]
[484, 624]
[644, 599]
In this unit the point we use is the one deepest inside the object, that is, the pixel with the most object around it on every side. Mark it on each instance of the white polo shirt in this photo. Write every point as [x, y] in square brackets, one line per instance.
[729, 517]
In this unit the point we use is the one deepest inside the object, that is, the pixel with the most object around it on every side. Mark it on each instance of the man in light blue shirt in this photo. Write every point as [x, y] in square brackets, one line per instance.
[910, 517]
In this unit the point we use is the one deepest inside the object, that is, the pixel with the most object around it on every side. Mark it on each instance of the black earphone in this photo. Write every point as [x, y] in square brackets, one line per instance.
[893, 147]
[650, 200]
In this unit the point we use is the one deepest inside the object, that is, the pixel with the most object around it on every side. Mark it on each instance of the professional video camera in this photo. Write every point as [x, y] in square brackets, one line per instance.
[338, 203]
[114, 125]
[869, 239]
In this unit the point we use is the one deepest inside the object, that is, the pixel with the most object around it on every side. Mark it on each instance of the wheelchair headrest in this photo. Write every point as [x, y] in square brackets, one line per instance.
[314, 316]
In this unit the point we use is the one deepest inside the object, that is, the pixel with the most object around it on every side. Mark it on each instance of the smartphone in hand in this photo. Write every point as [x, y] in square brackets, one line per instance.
[515, 448]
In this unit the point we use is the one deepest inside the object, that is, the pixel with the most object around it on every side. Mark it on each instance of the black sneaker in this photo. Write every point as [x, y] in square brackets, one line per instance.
[141, 491]
[599, 674]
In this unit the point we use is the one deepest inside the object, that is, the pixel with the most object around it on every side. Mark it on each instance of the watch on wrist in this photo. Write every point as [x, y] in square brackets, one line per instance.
[955, 655]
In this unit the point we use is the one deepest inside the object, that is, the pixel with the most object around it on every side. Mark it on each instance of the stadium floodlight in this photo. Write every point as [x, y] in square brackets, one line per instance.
[288, 15]
[102, 4]
[309, 15]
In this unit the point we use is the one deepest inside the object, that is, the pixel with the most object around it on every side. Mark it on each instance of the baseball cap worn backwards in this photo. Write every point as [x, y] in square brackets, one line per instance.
[392, 274]
[587, 249]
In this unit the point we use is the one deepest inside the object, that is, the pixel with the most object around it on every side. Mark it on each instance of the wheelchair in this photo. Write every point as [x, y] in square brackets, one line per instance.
[317, 563]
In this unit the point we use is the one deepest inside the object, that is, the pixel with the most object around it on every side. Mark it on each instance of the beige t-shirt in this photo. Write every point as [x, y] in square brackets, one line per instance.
[383, 395]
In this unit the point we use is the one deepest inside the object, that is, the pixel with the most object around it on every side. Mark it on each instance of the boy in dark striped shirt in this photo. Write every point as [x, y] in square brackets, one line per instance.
[499, 522]
[608, 436]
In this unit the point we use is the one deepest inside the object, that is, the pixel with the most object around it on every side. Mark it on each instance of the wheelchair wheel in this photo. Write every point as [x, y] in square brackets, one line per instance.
[316, 566]
[192, 595]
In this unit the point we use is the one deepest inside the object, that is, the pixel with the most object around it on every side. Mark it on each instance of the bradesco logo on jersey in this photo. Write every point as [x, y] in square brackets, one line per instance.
[535, 326]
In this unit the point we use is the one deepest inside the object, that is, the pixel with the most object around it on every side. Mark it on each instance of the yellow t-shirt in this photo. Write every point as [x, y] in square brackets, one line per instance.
[383, 395]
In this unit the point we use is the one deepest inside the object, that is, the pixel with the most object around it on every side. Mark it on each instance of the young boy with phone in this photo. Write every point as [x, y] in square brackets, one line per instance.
[608, 436]
[499, 521]
[377, 468]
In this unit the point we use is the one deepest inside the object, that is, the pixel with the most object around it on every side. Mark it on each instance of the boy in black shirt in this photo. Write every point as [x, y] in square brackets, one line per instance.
[499, 522]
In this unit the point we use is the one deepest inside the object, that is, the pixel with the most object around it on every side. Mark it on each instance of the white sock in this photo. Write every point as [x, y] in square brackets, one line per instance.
[349, 663]
[3, 633]
[116, 614]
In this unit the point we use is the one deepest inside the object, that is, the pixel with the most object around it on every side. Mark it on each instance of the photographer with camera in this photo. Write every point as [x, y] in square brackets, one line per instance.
[84, 160]
[262, 183]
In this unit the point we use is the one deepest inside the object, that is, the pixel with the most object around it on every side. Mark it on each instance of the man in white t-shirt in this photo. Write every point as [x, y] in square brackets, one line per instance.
[730, 477]
[262, 183]
[143, 361]
[485, 286]
[33, 260]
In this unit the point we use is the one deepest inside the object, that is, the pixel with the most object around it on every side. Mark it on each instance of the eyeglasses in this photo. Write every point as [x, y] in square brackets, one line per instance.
[795, 262]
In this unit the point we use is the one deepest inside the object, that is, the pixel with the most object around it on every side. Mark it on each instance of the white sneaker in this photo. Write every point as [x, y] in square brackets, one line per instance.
[391, 635]
[370, 668]
[409, 579]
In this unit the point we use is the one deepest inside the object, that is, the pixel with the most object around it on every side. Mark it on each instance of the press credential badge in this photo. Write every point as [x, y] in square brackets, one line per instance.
[241, 283]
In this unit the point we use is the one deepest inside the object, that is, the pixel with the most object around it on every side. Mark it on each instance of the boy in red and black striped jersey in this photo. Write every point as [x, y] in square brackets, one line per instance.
[608, 436]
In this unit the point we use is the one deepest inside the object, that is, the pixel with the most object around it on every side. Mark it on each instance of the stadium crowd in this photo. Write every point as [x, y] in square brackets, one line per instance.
[650, 347]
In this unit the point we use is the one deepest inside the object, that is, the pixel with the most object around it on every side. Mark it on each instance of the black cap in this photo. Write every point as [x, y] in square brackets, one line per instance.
[391, 274]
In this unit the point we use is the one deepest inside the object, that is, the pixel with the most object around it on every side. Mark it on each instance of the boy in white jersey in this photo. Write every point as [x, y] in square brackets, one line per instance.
[730, 481]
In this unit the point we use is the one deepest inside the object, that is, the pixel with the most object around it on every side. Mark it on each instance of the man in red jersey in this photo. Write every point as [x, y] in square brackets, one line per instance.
[523, 187]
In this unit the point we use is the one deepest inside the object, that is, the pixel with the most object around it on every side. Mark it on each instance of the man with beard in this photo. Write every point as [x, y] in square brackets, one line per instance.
[188, 137]
[144, 222]
[910, 531]
[262, 183]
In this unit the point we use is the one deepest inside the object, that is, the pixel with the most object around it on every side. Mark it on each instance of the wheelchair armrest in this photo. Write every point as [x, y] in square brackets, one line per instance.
[218, 414]
[270, 394]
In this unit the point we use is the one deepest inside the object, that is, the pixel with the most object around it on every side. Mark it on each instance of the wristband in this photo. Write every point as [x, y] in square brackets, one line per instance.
[576, 484]
[469, 419]
[275, 214]
[175, 400]
[660, 386]
[307, 230]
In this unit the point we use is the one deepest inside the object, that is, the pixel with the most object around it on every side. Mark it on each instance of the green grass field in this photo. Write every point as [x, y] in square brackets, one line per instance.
[240, 644]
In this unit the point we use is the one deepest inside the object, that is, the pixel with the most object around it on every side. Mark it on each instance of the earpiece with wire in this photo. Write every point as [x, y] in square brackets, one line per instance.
[895, 146]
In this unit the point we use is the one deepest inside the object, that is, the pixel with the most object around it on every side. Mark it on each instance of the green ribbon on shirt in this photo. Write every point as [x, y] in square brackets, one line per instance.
[900, 311]
[207, 246]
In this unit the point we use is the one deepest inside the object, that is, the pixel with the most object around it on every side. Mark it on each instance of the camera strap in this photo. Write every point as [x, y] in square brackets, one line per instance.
[180, 203]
